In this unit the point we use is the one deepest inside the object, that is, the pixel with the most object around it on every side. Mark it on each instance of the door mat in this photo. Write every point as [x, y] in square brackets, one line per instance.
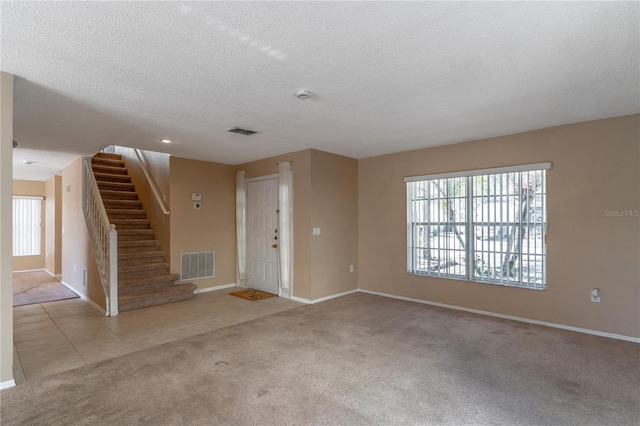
[253, 295]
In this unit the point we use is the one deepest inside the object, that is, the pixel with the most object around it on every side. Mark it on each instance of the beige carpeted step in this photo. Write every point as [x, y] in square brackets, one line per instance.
[110, 177]
[126, 214]
[132, 235]
[168, 279]
[130, 223]
[127, 302]
[115, 186]
[110, 194]
[122, 204]
[143, 270]
[107, 162]
[127, 258]
[99, 168]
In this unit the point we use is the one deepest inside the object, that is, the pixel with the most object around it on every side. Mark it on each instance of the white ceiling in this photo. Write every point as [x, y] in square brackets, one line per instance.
[385, 77]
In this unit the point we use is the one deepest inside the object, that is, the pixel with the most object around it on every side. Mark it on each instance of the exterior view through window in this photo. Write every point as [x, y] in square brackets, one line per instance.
[486, 226]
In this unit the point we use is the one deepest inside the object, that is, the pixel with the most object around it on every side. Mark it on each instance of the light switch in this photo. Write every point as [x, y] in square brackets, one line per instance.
[316, 231]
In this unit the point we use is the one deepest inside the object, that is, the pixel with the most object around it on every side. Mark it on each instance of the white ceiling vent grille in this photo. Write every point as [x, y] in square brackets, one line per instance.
[197, 265]
[241, 131]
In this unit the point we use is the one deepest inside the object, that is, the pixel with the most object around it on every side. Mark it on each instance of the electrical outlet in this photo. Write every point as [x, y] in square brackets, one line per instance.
[595, 295]
[85, 278]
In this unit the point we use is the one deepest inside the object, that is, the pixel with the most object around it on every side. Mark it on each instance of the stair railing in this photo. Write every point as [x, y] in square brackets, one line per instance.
[152, 182]
[103, 235]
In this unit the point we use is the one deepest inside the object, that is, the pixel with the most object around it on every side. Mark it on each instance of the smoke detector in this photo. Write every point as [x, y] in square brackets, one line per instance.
[303, 94]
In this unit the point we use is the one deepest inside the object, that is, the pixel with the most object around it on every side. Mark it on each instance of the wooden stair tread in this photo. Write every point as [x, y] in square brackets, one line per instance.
[108, 155]
[107, 162]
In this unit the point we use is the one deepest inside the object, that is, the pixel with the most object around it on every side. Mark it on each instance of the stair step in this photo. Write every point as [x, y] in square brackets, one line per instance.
[150, 280]
[126, 236]
[126, 258]
[109, 194]
[108, 155]
[110, 177]
[115, 186]
[125, 224]
[122, 204]
[152, 297]
[99, 168]
[142, 270]
[107, 162]
[126, 214]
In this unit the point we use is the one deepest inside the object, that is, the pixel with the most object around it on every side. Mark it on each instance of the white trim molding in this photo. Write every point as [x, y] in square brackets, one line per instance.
[509, 317]
[218, 287]
[322, 299]
[8, 384]
[31, 270]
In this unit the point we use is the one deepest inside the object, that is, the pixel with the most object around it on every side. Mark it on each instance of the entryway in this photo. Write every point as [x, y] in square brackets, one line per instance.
[262, 235]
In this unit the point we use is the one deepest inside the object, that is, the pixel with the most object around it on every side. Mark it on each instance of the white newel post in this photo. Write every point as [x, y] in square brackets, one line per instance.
[113, 271]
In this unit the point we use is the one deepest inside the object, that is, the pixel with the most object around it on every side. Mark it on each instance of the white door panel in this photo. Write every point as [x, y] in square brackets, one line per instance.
[262, 225]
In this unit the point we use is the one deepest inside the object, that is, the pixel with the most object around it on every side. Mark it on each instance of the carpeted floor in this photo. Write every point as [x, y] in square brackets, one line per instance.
[38, 287]
[359, 359]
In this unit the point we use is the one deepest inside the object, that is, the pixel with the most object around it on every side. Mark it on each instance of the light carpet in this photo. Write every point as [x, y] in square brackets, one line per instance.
[38, 287]
[356, 360]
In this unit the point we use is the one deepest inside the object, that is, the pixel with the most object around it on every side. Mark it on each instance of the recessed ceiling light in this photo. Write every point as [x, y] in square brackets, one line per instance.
[166, 140]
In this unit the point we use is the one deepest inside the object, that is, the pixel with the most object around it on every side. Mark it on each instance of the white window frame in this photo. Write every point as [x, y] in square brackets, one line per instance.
[27, 230]
[466, 226]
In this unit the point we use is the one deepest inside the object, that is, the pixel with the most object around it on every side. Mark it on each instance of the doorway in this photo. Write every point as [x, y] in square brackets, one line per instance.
[262, 235]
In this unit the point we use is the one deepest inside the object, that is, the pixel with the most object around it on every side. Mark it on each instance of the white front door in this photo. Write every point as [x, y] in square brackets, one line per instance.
[262, 232]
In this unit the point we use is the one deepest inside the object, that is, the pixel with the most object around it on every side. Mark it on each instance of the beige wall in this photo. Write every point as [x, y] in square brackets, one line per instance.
[325, 193]
[53, 212]
[334, 209]
[6, 226]
[78, 254]
[33, 189]
[301, 167]
[595, 168]
[211, 228]
[158, 164]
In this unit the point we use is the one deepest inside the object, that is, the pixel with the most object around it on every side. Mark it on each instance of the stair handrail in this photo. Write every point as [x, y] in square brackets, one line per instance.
[103, 235]
[152, 182]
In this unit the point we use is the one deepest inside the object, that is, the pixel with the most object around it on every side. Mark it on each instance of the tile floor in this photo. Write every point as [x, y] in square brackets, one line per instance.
[58, 336]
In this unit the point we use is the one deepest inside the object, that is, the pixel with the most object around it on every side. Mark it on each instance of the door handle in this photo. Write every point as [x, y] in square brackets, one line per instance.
[275, 246]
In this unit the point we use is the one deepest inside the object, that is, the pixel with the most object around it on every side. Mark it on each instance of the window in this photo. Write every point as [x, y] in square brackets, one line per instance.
[27, 213]
[486, 225]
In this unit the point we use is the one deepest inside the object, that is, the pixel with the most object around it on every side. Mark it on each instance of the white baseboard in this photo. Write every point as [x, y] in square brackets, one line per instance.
[32, 270]
[510, 317]
[322, 299]
[57, 277]
[218, 287]
[7, 384]
[86, 299]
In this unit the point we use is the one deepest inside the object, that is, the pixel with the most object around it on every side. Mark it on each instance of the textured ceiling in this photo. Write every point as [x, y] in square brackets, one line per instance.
[385, 77]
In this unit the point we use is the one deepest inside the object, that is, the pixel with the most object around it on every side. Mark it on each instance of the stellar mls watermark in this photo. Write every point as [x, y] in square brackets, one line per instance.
[622, 213]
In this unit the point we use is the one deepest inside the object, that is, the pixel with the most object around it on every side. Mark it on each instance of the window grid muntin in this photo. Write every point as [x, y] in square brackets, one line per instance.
[496, 190]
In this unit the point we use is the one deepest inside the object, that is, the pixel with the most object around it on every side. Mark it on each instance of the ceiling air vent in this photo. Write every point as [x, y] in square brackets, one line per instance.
[242, 131]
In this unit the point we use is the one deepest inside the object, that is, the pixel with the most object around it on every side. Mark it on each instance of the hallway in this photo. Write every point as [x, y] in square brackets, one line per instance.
[57, 336]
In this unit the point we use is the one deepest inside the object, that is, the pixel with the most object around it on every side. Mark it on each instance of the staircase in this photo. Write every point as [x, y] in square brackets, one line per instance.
[143, 276]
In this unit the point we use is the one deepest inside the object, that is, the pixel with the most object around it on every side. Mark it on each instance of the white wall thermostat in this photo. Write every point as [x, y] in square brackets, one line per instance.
[196, 196]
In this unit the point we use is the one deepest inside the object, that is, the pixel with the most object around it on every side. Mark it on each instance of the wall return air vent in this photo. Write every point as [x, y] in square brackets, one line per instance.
[242, 131]
[198, 265]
